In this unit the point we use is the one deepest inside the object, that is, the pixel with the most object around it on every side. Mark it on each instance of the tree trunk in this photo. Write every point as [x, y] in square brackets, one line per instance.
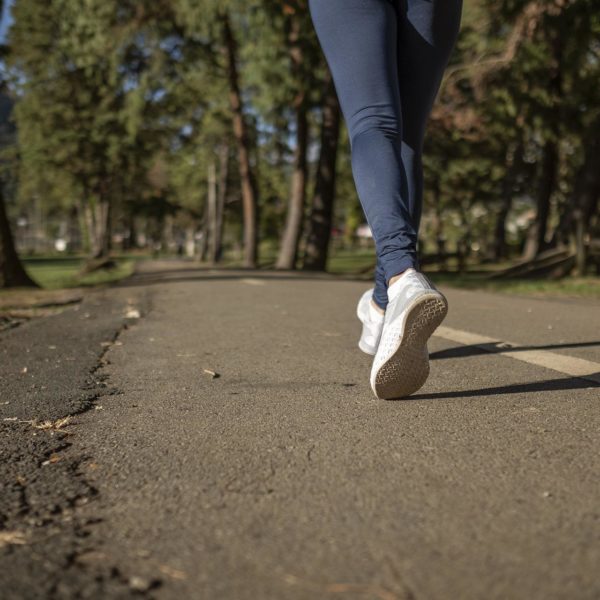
[12, 273]
[211, 209]
[578, 212]
[217, 247]
[500, 248]
[203, 244]
[288, 252]
[84, 222]
[249, 190]
[321, 216]
[580, 247]
[87, 220]
[168, 234]
[463, 245]
[131, 243]
[536, 236]
[586, 188]
[97, 220]
[438, 226]
[103, 214]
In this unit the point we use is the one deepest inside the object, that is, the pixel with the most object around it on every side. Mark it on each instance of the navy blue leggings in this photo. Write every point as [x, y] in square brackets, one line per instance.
[387, 59]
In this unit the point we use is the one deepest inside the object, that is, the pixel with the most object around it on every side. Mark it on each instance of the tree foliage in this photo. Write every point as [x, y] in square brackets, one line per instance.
[196, 111]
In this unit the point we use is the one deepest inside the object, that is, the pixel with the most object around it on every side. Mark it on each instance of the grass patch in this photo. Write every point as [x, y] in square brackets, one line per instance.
[575, 287]
[60, 273]
[347, 262]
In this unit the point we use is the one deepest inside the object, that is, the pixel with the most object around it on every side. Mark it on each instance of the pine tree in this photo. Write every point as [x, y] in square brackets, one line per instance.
[321, 213]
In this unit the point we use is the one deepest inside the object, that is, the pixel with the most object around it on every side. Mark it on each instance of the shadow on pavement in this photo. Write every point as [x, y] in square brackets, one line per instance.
[498, 347]
[567, 383]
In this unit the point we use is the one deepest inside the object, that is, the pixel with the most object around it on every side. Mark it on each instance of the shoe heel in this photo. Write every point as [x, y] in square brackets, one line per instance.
[408, 368]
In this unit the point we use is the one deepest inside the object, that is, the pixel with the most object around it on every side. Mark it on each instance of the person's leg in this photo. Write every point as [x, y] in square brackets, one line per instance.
[380, 297]
[359, 41]
[427, 32]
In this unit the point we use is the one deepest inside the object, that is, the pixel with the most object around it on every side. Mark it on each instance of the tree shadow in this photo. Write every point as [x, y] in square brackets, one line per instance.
[500, 347]
[568, 383]
[549, 385]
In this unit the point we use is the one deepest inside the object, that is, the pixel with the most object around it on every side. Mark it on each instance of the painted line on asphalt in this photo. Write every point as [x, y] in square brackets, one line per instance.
[567, 365]
[251, 281]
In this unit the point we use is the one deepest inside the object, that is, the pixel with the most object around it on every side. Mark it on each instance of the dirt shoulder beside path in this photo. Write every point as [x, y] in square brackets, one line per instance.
[49, 376]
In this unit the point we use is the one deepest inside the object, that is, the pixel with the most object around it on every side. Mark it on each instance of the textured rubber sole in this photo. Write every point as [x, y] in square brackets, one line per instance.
[407, 368]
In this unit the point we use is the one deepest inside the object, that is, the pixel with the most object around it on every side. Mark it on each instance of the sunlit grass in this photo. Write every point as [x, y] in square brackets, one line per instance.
[580, 287]
[347, 262]
[59, 273]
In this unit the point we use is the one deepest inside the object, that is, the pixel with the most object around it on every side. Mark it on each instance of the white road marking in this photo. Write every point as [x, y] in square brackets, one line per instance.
[568, 365]
[251, 281]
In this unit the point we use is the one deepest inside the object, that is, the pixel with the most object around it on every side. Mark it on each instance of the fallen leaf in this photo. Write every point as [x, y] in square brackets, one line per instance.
[54, 458]
[171, 572]
[58, 424]
[141, 584]
[14, 538]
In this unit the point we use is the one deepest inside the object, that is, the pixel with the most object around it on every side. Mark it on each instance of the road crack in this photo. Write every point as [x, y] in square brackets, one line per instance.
[43, 484]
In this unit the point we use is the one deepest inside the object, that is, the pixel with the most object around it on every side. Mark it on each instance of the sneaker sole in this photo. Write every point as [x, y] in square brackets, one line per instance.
[408, 368]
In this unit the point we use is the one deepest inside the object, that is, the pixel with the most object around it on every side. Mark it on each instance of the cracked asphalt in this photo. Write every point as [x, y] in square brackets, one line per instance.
[227, 445]
[49, 376]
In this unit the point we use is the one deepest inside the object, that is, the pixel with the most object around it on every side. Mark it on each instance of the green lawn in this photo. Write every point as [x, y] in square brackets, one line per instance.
[63, 272]
[576, 287]
[58, 272]
[362, 261]
[346, 262]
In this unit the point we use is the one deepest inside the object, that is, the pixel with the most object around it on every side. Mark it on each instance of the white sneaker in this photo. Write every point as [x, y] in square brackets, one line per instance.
[415, 309]
[372, 321]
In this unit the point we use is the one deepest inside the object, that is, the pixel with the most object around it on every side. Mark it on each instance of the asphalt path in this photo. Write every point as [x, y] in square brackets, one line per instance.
[234, 449]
